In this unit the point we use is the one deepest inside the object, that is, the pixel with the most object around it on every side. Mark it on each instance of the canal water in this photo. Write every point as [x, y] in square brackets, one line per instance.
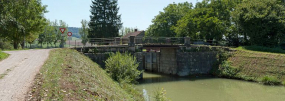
[209, 89]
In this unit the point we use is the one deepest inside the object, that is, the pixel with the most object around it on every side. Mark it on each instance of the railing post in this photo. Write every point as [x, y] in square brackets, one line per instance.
[132, 44]
[131, 41]
[117, 40]
[187, 41]
[168, 40]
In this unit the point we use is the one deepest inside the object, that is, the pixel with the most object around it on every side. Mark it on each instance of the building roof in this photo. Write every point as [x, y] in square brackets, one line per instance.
[132, 34]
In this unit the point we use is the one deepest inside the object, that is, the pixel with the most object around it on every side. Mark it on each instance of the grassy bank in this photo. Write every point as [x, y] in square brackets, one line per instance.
[263, 67]
[261, 49]
[3, 55]
[68, 75]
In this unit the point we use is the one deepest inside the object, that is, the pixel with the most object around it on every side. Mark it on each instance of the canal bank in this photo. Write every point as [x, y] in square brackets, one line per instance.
[209, 89]
[267, 68]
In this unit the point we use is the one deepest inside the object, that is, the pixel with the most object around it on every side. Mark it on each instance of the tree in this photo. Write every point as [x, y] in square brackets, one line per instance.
[163, 23]
[41, 38]
[201, 23]
[126, 30]
[63, 37]
[50, 33]
[57, 35]
[261, 21]
[105, 21]
[21, 19]
[210, 20]
[83, 31]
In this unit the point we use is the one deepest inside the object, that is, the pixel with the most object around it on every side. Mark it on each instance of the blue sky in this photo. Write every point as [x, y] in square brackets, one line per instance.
[135, 13]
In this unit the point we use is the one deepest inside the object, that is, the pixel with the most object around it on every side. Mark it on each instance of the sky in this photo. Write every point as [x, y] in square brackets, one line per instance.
[134, 13]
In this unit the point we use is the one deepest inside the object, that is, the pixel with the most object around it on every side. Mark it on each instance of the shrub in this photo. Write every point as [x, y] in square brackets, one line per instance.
[283, 83]
[122, 67]
[228, 70]
[160, 95]
[94, 50]
[270, 80]
[222, 67]
[5, 45]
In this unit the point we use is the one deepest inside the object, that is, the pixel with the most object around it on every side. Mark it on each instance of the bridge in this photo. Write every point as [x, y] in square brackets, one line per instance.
[137, 43]
[169, 55]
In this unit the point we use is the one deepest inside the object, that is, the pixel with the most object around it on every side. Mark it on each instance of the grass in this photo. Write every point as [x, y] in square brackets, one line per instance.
[264, 67]
[3, 55]
[270, 80]
[68, 75]
[262, 49]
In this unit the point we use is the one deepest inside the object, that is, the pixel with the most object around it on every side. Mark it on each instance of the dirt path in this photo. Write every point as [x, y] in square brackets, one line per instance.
[18, 71]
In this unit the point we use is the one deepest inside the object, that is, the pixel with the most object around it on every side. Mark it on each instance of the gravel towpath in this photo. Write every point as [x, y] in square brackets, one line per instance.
[18, 71]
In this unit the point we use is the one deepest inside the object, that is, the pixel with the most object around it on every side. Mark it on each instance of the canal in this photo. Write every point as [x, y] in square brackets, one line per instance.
[209, 89]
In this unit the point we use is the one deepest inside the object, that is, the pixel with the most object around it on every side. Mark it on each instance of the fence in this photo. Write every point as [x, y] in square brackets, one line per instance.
[125, 41]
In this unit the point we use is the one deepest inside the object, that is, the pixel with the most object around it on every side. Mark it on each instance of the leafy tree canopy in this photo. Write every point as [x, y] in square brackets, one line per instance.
[21, 19]
[262, 21]
[163, 23]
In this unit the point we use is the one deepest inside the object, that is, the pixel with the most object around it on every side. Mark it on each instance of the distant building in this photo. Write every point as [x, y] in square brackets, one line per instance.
[137, 34]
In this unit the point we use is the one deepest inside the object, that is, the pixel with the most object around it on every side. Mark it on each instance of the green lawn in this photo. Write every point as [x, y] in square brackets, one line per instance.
[3, 55]
[261, 49]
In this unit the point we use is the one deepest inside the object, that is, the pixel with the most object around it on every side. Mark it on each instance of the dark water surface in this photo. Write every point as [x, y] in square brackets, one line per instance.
[209, 89]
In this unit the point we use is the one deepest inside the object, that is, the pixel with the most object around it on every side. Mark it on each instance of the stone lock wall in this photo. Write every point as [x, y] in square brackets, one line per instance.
[168, 61]
[140, 60]
[98, 58]
[191, 63]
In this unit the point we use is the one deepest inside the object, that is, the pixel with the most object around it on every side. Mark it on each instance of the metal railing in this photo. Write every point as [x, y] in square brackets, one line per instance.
[91, 42]
[160, 40]
[145, 41]
[137, 40]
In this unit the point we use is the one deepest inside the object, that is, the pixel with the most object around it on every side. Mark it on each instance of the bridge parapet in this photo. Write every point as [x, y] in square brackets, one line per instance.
[133, 41]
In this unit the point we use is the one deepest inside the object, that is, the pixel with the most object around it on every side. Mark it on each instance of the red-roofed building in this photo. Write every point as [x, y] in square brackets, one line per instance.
[137, 34]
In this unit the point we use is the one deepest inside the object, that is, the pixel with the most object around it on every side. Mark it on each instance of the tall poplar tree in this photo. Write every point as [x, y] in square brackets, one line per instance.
[105, 21]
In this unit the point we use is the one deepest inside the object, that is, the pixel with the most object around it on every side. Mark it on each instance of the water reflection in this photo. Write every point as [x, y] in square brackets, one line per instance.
[210, 89]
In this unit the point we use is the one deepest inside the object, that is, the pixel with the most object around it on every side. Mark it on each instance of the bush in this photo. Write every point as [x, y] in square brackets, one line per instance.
[270, 80]
[160, 95]
[123, 67]
[283, 83]
[6, 45]
[222, 67]
[227, 70]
